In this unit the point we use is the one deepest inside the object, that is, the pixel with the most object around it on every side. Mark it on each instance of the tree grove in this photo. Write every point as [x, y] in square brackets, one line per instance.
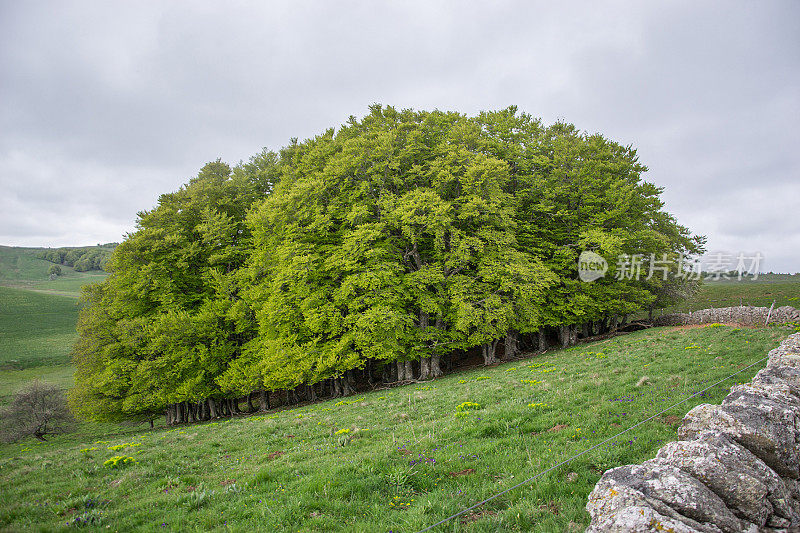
[376, 252]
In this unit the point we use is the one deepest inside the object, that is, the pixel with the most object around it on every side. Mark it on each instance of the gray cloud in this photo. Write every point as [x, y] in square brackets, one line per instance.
[106, 106]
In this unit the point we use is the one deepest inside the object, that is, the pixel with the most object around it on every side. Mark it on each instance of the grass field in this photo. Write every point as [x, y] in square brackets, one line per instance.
[35, 329]
[389, 460]
[760, 293]
[37, 319]
[21, 269]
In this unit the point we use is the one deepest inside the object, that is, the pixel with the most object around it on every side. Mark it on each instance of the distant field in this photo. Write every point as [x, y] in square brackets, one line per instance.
[760, 293]
[398, 459]
[35, 329]
[20, 268]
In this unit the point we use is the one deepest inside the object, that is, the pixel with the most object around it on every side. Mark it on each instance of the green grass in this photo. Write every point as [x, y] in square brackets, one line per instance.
[35, 329]
[21, 269]
[390, 460]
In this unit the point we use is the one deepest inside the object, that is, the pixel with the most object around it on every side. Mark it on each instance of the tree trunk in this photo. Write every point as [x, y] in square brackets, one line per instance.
[487, 350]
[368, 373]
[178, 413]
[212, 408]
[409, 371]
[563, 335]
[573, 334]
[347, 390]
[425, 368]
[233, 406]
[435, 369]
[336, 387]
[251, 408]
[511, 345]
[168, 415]
[151, 423]
[586, 330]
[263, 401]
[542, 338]
[650, 314]
[401, 371]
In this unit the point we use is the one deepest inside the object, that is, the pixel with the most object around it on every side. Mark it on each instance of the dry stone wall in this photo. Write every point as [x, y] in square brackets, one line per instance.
[745, 315]
[736, 467]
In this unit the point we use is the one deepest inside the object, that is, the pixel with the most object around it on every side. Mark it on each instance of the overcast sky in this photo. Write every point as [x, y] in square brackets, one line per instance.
[106, 105]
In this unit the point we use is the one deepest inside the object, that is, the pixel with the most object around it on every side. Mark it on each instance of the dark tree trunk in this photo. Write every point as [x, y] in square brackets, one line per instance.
[563, 335]
[401, 371]
[312, 394]
[573, 334]
[487, 350]
[263, 401]
[436, 369]
[178, 414]
[586, 330]
[368, 373]
[251, 408]
[542, 338]
[347, 390]
[336, 388]
[511, 344]
[212, 408]
[425, 368]
[151, 423]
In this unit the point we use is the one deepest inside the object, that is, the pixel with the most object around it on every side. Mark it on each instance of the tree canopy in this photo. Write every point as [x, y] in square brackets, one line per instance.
[374, 250]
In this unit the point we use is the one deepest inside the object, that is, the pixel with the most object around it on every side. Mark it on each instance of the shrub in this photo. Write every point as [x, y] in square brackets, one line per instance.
[38, 410]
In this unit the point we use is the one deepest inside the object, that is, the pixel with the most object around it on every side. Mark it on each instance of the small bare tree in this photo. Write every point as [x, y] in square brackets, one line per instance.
[38, 410]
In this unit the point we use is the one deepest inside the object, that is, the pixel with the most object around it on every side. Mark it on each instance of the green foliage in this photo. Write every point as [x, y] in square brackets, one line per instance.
[400, 237]
[81, 259]
[54, 270]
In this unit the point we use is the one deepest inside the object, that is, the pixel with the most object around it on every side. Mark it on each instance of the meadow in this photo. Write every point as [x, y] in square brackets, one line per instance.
[37, 320]
[397, 459]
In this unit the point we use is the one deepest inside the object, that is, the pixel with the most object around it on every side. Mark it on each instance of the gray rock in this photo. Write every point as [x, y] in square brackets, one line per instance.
[744, 482]
[785, 377]
[639, 520]
[666, 490]
[757, 429]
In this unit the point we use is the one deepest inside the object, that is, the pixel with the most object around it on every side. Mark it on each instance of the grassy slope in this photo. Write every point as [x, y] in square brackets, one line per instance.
[37, 319]
[397, 459]
[37, 332]
[20, 268]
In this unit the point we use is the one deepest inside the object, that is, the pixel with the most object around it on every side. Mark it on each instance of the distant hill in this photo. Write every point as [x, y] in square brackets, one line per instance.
[26, 268]
[82, 259]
